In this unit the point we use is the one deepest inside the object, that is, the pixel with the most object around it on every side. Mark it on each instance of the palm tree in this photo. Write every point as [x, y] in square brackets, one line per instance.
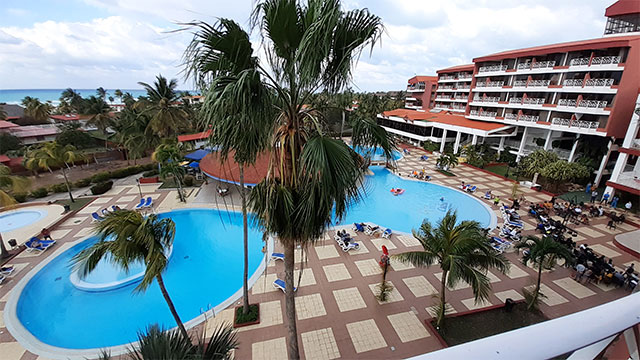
[128, 237]
[73, 98]
[101, 93]
[312, 177]
[3, 113]
[447, 161]
[542, 252]
[36, 109]
[9, 184]
[168, 155]
[463, 253]
[118, 94]
[51, 155]
[166, 118]
[130, 129]
[100, 118]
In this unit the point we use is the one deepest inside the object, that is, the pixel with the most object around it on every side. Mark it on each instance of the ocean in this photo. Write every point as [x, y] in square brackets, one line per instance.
[53, 95]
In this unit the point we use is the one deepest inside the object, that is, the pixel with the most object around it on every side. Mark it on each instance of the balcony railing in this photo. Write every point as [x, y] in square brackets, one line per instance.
[605, 60]
[444, 98]
[492, 68]
[515, 100]
[490, 114]
[447, 77]
[567, 102]
[575, 123]
[593, 104]
[529, 118]
[573, 82]
[539, 83]
[410, 88]
[511, 116]
[463, 87]
[533, 101]
[579, 62]
[536, 65]
[464, 76]
[459, 107]
[450, 87]
[598, 82]
[490, 84]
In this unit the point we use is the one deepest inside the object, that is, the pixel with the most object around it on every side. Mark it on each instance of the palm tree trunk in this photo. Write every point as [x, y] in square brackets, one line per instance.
[66, 181]
[172, 308]
[290, 304]
[539, 278]
[443, 301]
[179, 183]
[245, 239]
[3, 250]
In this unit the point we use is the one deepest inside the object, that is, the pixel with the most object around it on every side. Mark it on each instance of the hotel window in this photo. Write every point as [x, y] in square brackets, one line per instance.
[623, 24]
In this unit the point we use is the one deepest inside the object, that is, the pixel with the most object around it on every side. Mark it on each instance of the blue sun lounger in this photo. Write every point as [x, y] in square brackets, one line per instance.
[424, 158]
[279, 284]
[140, 205]
[277, 256]
[386, 233]
[358, 227]
[7, 269]
[96, 217]
[42, 246]
[148, 203]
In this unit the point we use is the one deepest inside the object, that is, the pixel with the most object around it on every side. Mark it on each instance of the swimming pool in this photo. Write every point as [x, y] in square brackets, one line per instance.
[204, 270]
[420, 201]
[16, 219]
[377, 155]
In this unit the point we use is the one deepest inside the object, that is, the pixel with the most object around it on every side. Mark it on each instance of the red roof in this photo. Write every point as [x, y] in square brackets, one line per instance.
[7, 125]
[229, 171]
[599, 43]
[623, 7]
[444, 118]
[467, 67]
[4, 159]
[191, 137]
[416, 79]
[66, 117]
[33, 131]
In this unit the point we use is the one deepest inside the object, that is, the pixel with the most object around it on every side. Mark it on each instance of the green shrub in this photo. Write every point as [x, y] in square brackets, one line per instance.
[58, 188]
[189, 180]
[20, 197]
[431, 146]
[148, 167]
[83, 182]
[150, 173]
[101, 177]
[101, 188]
[39, 193]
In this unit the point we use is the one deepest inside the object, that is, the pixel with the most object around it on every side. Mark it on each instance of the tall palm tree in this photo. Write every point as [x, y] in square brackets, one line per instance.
[101, 93]
[542, 252]
[3, 113]
[118, 94]
[100, 118]
[312, 177]
[166, 118]
[51, 155]
[130, 129]
[463, 253]
[128, 237]
[73, 98]
[9, 184]
[36, 109]
[169, 157]
[447, 161]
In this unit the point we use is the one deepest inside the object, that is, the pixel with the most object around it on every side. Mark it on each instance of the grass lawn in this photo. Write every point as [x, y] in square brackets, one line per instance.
[502, 171]
[171, 184]
[445, 172]
[79, 202]
[462, 329]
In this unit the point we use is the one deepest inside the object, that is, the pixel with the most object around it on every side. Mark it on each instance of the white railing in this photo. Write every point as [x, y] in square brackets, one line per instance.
[567, 102]
[573, 82]
[490, 84]
[491, 114]
[450, 87]
[605, 60]
[533, 101]
[598, 82]
[444, 98]
[461, 98]
[579, 62]
[447, 77]
[585, 333]
[410, 88]
[459, 107]
[492, 68]
[511, 116]
[520, 83]
[593, 104]
[538, 83]
[529, 118]
[544, 64]
[464, 87]
[464, 76]
[515, 100]
[575, 123]
[489, 99]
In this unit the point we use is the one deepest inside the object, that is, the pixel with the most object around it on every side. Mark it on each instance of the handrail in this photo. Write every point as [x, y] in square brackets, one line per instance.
[550, 338]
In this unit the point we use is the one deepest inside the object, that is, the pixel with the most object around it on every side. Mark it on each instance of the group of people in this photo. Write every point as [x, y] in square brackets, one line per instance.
[593, 268]
[420, 175]
[606, 198]
[467, 187]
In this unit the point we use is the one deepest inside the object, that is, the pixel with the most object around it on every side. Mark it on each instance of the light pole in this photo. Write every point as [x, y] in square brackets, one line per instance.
[139, 189]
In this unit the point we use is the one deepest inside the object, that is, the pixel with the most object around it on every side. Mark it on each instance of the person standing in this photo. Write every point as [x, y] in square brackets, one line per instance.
[605, 198]
[628, 205]
[588, 189]
[614, 202]
[594, 195]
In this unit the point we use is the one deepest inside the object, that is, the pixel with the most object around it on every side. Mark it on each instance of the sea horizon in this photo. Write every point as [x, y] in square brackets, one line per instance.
[15, 96]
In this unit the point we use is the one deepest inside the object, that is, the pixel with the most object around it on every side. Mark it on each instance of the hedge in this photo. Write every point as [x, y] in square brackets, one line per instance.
[58, 188]
[101, 177]
[101, 188]
[82, 183]
[20, 197]
[39, 192]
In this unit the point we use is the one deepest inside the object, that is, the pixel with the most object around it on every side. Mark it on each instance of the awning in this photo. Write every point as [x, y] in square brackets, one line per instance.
[197, 155]
[194, 165]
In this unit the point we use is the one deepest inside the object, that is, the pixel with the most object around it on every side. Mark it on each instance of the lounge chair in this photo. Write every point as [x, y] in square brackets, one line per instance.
[7, 269]
[104, 212]
[487, 195]
[140, 205]
[222, 191]
[279, 284]
[350, 246]
[96, 217]
[42, 246]
[2, 277]
[277, 256]
[472, 189]
[371, 230]
[424, 158]
[148, 203]
[387, 233]
[358, 227]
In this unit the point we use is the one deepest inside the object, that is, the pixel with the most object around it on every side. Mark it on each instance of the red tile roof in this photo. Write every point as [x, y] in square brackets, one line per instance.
[229, 171]
[416, 79]
[7, 124]
[66, 117]
[444, 118]
[467, 67]
[4, 159]
[33, 131]
[599, 43]
[197, 136]
[623, 7]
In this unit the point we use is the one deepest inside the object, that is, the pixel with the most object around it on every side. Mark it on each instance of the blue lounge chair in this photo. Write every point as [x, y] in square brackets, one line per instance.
[104, 212]
[515, 224]
[41, 246]
[279, 284]
[277, 256]
[349, 246]
[96, 217]
[424, 158]
[140, 205]
[2, 277]
[386, 234]
[358, 227]
[7, 269]
[148, 203]
[114, 208]
[472, 189]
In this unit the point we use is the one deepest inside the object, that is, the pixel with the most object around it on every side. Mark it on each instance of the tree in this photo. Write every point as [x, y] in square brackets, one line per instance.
[447, 161]
[312, 177]
[561, 171]
[100, 118]
[543, 253]
[118, 94]
[101, 93]
[78, 138]
[51, 155]
[3, 113]
[463, 253]
[9, 184]
[37, 110]
[128, 237]
[166, 118]
[130, 129]
[128, 99]
[536, 161]
[8, 142]
[73, 98]
[168, 155]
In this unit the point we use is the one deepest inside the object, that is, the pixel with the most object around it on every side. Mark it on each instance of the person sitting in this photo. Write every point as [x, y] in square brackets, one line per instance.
[496, 200]
[45, 234]
[35, 242]
[600, 211]
[463, 186]
[487, 195]
[618, 278]
[580, 269]
[516, 204]
[630, 270]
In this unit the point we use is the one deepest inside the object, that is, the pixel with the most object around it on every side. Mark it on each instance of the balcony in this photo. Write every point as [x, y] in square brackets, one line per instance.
[492, 68]
[511, 116]
[415, 88]
[579, 62]
[598, 82]
[490, 84]
[515, 100]
[443, 98]
[529, 118]
[533, 101]
[486, 114]
[459, 107]
[532, 83]
[567, 102]
[601, 60]
[487, 99]
[465, 77]
[537, 65]
[575, 123]
[464, 87]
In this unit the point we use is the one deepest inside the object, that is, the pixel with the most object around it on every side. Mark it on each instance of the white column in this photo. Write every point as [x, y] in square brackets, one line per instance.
[603, 164]
[574, 148]
[547, 141]
[521, 147]
[501, 146]
[456, 145]
[444, 140]
[474, 140]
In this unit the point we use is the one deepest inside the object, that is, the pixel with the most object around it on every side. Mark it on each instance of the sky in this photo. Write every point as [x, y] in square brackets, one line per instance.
[47, 44]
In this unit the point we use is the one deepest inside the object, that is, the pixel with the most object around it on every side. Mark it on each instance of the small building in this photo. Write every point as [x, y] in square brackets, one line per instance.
[35, 134]
[6, 126]
[14, 112]
[197, 140]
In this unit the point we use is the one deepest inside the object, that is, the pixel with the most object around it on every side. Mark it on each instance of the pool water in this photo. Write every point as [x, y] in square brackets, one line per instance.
[377, 155]
[20, 218]
[205, 269]
[420, 201]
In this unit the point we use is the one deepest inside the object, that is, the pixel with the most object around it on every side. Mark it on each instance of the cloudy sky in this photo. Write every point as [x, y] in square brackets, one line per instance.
[116, 43]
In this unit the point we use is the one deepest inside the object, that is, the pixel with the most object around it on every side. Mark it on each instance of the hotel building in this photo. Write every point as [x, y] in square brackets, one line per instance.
[555, 97]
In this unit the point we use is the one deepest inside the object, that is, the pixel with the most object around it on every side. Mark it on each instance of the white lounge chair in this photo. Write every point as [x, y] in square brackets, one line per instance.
[371, 230]
[7, 269]
[41, 246]
[277, 256]
[387, 233]
[279, 284]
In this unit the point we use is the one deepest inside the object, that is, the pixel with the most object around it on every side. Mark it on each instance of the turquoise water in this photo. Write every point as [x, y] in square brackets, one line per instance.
[205, 269]
[18, 219]
[420, 201]
[377, 155]
[53, 95]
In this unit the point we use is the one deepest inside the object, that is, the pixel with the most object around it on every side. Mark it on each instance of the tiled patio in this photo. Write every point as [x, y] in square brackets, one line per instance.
[338, 313]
